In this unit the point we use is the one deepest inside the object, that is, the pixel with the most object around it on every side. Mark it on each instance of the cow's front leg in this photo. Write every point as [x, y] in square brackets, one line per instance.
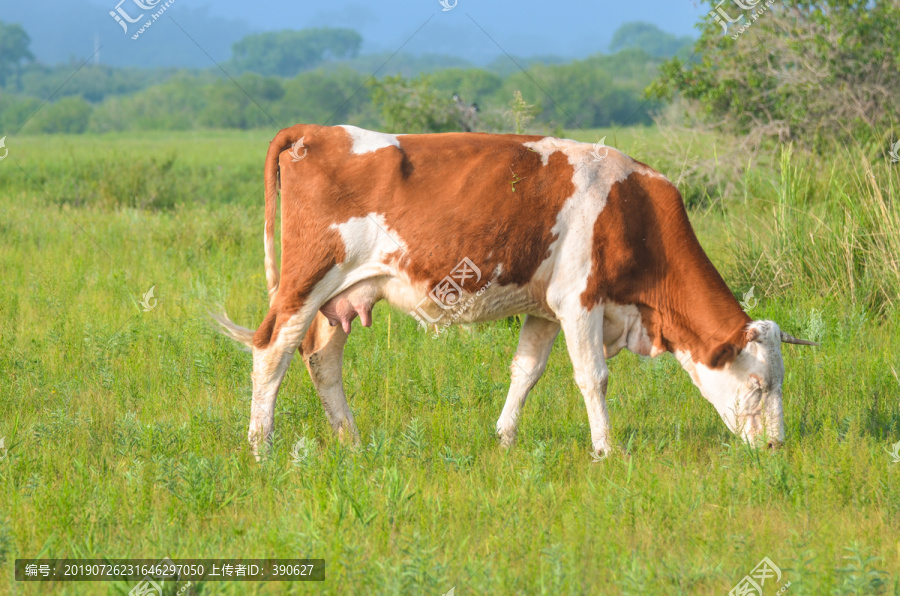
[583, 329]
[270, 363]
[323, 353]
[535, 342]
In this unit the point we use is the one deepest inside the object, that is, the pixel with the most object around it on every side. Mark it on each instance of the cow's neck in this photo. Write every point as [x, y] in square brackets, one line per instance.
[696, 310]
[645, 253]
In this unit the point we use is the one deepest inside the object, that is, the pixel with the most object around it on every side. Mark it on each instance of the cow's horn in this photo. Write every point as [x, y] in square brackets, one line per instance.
[790, 339]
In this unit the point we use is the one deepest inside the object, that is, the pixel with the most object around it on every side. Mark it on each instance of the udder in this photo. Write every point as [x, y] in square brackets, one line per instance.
[356, 300]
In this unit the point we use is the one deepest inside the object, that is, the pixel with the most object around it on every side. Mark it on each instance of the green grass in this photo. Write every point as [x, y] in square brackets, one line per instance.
[126, 430]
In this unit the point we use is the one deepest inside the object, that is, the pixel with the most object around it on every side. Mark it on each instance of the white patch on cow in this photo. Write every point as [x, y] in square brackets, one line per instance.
[567, 270]
[623, 327]
[368, 241]
[573, 149]
[549, 145]
[569, 264]
[372, 263]
[366, 141]
[477, 304]
[648, 171]
[271, 266]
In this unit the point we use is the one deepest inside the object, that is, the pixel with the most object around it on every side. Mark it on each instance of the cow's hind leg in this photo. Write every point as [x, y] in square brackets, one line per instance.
[583, 329]
[323, 353]
[535, 341]
[271, 358]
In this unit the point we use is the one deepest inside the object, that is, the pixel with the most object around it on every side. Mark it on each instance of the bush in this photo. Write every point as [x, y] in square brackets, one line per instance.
[321, 97]
[69, 115]
[14, 111]
[413, 106]
[174, 105]
[473, 84]
[247, 104]
[810, 71]
[598, 91]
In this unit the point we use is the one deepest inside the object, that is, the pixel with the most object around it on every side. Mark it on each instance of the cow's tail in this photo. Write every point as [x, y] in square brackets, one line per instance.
[271, 174]
[232, 329]
[283, 140]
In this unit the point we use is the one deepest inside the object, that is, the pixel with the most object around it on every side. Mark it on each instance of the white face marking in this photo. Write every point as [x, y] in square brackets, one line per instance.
[366, 141]
[746, 392]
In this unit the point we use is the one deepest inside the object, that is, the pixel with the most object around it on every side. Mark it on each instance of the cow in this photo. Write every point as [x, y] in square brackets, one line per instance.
[474, 227]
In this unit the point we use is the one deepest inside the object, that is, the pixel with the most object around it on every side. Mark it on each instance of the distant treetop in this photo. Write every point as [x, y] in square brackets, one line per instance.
[287, 53]
[14, 50]
[650, 38]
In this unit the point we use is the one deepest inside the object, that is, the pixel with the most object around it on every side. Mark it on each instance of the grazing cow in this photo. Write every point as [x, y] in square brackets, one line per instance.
[470, 227]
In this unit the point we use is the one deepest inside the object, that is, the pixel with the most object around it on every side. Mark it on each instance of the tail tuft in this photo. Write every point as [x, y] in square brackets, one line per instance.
[232, 329]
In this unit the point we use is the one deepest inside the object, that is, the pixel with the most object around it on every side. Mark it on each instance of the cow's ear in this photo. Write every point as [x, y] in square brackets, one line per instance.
[722, 355]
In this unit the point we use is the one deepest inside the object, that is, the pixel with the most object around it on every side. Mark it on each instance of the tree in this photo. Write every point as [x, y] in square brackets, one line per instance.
[650, 38]
[473, 84]
[68, 115]
[245, 105]
[598, 91]
[14, 51]
[321, 97]
[807, 70]
[287, 53]
[413, 106]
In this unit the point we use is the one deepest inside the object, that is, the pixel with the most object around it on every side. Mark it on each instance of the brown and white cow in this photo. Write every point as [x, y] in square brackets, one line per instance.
[599, 246]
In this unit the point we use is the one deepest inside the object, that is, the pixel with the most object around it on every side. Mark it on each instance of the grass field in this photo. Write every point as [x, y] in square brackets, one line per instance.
[125, 431]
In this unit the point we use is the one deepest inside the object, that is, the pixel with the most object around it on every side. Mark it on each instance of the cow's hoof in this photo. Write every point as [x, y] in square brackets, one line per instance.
[599, 457]
[259, 450]
[348, 434]
[260, 445]
[600, 451]
[618, 452]
[507, 437]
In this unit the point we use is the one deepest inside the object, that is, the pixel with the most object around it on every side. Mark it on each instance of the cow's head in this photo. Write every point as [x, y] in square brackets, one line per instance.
[745, 387]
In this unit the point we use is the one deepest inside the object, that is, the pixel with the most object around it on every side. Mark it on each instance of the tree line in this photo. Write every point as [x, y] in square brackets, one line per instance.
[317, 75]
[806, 71]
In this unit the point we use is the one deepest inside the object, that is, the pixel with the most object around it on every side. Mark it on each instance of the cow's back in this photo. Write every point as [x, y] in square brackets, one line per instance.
[498, 200]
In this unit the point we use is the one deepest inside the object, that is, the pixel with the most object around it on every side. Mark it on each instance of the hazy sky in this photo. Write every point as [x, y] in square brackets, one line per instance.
[527, 27]
[478, 31]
